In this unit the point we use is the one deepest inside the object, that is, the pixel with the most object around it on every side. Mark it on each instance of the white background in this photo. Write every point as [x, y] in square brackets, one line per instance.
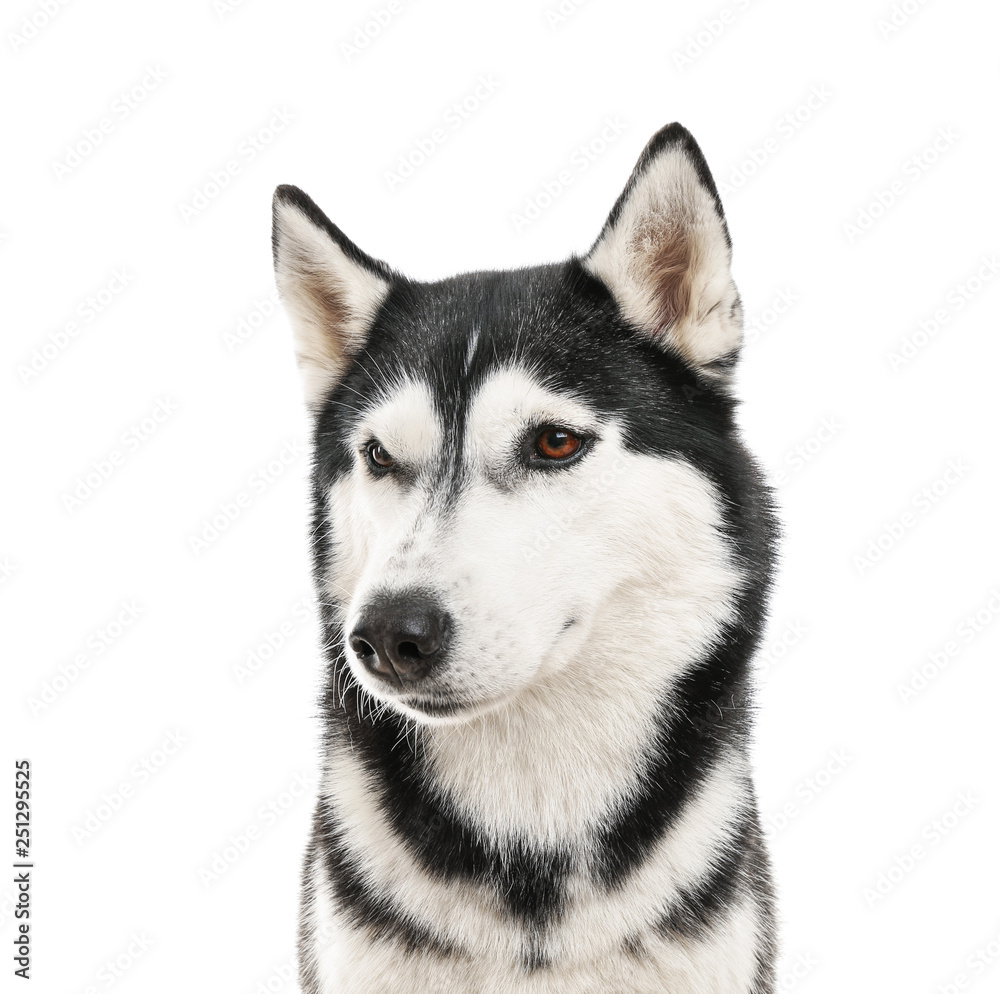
[814, 118]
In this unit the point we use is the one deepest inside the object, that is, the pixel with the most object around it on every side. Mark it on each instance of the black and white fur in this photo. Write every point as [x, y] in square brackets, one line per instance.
[565, 805]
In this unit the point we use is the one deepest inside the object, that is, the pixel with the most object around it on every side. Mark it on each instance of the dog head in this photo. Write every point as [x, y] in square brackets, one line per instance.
[518, 473]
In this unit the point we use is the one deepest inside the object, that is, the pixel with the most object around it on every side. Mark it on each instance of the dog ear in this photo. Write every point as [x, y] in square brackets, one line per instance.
[330, 288]
[664, 253]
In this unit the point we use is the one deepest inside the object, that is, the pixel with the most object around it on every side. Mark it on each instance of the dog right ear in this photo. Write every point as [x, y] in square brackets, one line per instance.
[330, 288]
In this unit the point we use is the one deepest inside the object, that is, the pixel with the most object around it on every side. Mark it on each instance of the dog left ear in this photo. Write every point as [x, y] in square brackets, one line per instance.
[664, 253]
[330, 288]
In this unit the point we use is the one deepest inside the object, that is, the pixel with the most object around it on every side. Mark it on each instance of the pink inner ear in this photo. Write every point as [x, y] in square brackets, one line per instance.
[669, 265]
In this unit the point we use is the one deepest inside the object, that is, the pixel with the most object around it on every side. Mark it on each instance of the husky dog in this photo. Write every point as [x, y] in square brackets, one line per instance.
[543, 556]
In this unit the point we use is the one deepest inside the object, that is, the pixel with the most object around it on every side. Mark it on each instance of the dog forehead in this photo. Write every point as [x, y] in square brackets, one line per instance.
[511, 398]
[495, 351]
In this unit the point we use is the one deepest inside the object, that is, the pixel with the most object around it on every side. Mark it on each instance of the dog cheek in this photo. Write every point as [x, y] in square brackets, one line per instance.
[351, 537]
[497, 640]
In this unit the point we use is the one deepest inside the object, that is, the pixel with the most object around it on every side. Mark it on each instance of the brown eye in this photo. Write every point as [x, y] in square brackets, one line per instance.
[378, 457]
[557, 443]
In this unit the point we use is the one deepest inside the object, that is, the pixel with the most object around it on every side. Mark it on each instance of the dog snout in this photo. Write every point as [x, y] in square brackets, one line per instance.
[401, 638]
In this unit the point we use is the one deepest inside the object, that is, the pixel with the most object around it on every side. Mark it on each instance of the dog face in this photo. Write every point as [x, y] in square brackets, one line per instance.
[516, 470]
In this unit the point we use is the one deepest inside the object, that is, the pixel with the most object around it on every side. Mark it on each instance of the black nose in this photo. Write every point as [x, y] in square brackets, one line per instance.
[400, 638]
